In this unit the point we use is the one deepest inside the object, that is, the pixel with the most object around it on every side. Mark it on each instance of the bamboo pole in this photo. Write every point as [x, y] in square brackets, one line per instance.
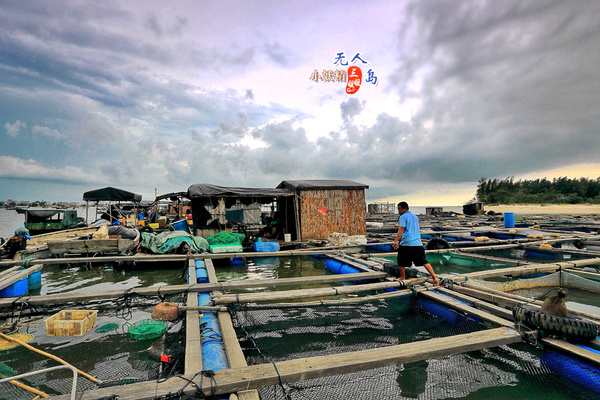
[30, 389]
[51, 356]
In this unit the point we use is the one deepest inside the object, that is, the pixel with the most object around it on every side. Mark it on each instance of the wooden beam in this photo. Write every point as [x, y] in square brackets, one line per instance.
[574, 350]
[235, 356]
[193, 341]
[477, 303]
[17, 276]
[510, 300]
[142, 257]
[252, 377]
[304, 293]
[457, 305]
[61, 298]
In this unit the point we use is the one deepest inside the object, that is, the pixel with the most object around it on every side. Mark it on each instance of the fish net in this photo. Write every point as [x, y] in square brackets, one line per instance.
[270, 334]
[107, 352]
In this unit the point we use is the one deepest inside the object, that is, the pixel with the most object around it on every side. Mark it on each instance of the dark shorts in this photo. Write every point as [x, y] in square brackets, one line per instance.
[411, 254]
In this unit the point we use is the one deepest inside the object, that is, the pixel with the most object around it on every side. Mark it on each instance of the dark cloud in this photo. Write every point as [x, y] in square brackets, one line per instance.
[505, 86]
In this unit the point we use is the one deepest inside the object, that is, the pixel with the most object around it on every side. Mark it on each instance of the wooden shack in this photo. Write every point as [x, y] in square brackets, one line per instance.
[321, 207]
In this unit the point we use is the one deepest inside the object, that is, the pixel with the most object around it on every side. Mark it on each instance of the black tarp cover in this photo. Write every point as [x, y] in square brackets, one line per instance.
[317, 184]
[111, 194]
[208, 190]
[43, 212]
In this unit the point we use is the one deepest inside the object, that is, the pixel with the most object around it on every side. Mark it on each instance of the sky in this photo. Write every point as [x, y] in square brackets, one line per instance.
[154, 96]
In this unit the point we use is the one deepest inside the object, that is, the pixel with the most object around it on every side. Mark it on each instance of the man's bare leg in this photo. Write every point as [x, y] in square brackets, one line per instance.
[429, 269]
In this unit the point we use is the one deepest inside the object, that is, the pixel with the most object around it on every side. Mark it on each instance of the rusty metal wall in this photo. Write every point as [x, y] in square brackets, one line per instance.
[345, 213]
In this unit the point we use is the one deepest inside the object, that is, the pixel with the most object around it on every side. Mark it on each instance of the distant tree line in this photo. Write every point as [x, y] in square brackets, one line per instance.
[558, 190]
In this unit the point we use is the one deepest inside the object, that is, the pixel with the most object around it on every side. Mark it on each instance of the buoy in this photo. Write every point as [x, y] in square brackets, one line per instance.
[546, 246]
[165, 311]
[482, 239]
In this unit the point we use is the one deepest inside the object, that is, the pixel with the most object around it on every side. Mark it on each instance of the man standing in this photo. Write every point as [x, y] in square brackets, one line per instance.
[408, 243]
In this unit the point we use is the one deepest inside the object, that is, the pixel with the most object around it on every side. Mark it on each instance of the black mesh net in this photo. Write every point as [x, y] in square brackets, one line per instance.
[106, 352]
[272, 334]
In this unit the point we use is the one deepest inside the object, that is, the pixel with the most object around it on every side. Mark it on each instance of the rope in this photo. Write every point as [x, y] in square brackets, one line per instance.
[27, 261]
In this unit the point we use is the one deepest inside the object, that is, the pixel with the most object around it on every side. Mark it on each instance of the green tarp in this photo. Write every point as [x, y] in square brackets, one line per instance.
[170, 240]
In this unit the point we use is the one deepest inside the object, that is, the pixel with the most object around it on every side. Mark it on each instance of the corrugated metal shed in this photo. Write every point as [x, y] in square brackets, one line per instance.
[322, 207]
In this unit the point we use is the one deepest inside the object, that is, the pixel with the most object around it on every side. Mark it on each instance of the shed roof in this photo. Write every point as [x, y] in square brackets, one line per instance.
[316, 184]
[111, 194]
[207, 190]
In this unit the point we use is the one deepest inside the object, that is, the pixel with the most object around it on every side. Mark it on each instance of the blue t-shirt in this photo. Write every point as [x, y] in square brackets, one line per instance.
[411, 235]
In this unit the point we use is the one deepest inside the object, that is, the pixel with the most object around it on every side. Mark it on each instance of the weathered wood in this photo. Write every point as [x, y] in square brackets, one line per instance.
[566, 347]
[61, 298]
[193, 341]
[355, 300]
[510, 300]
[252, 377]
[235, 356]
[17, 276]
[141, 257]
[89, 246]
[453, 303]
[304, 293]
[352, 262]
[477, 303]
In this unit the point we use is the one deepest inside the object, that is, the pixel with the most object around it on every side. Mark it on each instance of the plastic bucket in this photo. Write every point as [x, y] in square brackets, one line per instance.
[287, 237]
[181, 225]
[509, 220]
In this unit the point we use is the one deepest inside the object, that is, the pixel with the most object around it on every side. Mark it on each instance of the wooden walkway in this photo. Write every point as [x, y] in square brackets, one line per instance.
[491, 306]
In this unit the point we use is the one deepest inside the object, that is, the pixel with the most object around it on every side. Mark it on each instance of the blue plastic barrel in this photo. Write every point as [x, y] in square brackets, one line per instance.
[213, 352]
[339, 267]
[34, 281]
[576, 370]
[181, 225]
[509, 220]
[201, 273]
[18, 288]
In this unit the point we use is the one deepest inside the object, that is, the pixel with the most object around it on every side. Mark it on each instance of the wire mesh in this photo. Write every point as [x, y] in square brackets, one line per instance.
[111, 356]
[269, 334]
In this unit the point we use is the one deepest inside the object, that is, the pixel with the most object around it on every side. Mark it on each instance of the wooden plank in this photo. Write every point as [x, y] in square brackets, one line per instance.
[304, 293]
[574, 350]
[235, 356]
[89, 246]
[199, 287]
[193, 341]
[252, 377]
[141, 257]
[510, 300]
[15, 277]
[457, 305]
[352, 262]
[492, 309]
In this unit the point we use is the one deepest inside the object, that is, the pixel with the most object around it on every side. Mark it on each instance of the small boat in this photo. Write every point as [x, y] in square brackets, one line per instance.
[44, 220]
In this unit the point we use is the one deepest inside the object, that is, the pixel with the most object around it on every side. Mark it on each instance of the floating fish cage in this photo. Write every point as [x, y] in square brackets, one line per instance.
[318, 324]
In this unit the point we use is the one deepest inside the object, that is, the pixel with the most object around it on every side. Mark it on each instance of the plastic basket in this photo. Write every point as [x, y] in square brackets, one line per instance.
[147, 329]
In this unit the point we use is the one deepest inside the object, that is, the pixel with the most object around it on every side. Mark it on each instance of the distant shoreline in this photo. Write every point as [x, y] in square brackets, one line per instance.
[570, 209]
